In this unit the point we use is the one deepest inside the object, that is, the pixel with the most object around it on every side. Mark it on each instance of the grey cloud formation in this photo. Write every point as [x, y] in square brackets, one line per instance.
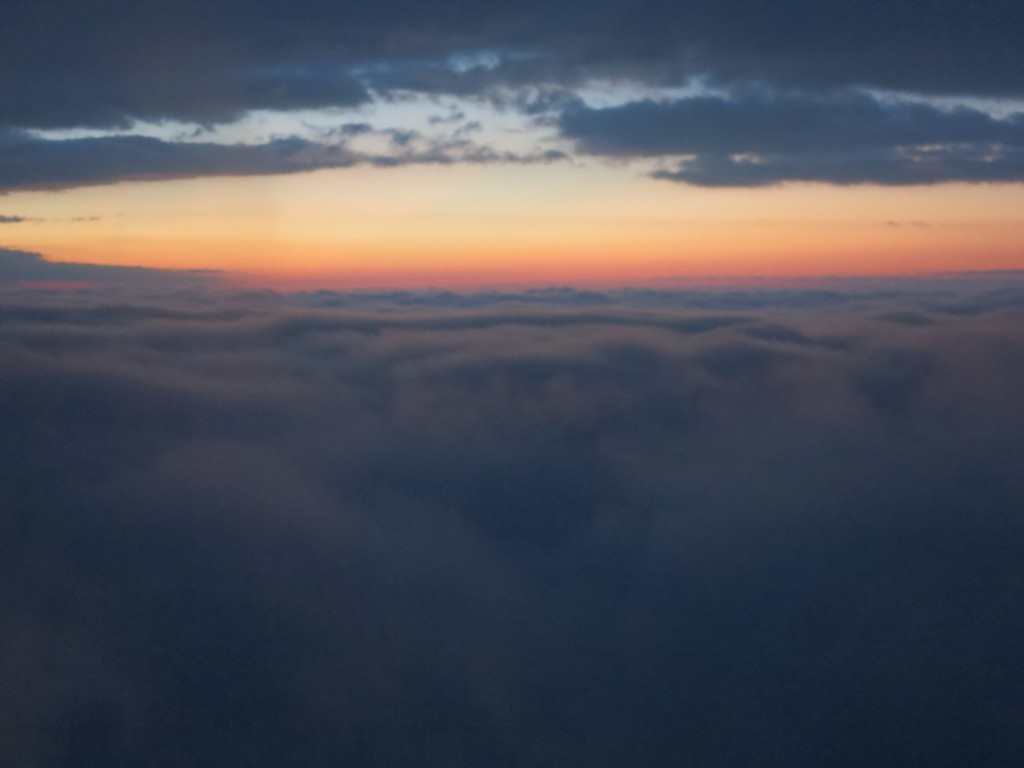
[12, 219]
[780, 123]
[108, 65]
[956, 293]
[258, 529]
[31, 163]
[745, 138]
[109, 75]
[27, 162]
[765, 138]
[24, 267]
[897, 166]
[73, 64]
[490, 78]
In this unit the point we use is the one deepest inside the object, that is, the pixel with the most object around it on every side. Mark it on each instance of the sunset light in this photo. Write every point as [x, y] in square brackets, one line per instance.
[511, 384]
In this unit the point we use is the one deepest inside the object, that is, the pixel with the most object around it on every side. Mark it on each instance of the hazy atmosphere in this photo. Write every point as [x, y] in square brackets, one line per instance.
[554, 528]
[447, 384]
[369, 143]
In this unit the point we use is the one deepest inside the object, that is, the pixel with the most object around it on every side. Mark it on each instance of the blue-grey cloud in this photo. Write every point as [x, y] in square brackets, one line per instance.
[184, 60]
[255, 529]
[744, 139]
[29, 162]
[12, 219]
[101, 65]
[25, 267]
[896, 166]
[764, 138]
[780, 123]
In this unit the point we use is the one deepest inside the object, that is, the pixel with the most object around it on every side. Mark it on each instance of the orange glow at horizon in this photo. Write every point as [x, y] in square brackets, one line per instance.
[462, 226]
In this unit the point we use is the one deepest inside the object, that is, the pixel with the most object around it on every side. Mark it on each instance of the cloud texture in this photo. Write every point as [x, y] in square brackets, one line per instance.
[72, 64]
[20, 267]
[580, 530]
[756, 138]
[28, 162]
[110, 65]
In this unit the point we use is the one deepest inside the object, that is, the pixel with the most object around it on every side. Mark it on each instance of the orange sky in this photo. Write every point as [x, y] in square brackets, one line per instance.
[494, 225]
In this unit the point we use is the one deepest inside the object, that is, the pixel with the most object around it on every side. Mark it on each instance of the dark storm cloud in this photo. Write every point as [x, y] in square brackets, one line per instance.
[73, 64]
[245, 529]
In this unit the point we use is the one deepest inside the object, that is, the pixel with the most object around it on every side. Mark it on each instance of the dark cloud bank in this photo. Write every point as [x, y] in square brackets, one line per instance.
[28, 162]
[70, 64]
[23, 267]
[759, 138]
[550, 529]
[793, 75]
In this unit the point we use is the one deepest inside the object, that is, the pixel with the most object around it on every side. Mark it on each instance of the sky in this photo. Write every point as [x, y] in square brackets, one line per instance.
[398, 144]
[435, 384]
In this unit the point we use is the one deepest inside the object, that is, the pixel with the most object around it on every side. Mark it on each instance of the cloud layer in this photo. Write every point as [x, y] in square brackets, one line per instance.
[325, 529]
[18, 267]
[28, 162]
[750, 139]
[111, 65]
[74, 65]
